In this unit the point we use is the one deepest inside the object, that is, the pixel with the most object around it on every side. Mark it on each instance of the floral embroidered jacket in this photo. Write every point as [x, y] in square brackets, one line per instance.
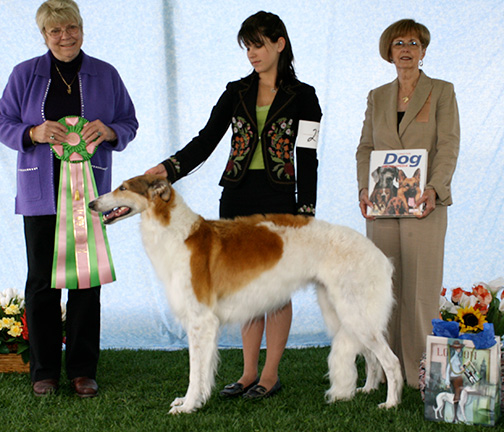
[289, 168]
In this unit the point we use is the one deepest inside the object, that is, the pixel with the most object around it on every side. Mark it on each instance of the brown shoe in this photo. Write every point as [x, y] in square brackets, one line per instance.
[45, 387]
[85, 387]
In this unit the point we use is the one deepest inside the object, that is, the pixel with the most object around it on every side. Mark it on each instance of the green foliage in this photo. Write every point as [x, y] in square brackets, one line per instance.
[137, 387]
[495, 316]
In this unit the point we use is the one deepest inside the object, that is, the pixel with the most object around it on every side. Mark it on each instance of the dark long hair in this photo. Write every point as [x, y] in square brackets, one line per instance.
[268, 25]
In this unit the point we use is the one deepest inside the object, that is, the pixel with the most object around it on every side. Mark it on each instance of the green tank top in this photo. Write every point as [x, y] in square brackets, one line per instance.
[257, 158]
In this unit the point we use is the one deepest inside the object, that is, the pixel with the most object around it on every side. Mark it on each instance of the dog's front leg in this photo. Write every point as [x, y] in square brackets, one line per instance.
[202, 335]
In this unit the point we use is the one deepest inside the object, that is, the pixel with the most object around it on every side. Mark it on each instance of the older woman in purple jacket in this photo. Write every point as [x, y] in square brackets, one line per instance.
[65, 81]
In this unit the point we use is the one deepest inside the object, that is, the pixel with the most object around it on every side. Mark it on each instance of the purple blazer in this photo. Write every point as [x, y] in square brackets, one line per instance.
[103, 97]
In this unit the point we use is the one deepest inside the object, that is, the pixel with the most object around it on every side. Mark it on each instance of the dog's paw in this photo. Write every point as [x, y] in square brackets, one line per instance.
[365, 389]
[178, 402]
[182, 408]
[334, 395]
[388, 405]
[179, 410]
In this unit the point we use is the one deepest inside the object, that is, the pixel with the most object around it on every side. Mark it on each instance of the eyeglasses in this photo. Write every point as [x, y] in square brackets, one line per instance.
[57, 32]
[402, 44]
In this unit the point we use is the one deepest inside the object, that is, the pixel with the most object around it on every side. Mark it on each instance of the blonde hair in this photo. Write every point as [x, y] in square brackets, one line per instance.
[402, 28]
[55, 12]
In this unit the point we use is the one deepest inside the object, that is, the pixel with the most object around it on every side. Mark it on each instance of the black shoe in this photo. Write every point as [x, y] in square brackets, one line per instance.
[236, 389]
[259, 392]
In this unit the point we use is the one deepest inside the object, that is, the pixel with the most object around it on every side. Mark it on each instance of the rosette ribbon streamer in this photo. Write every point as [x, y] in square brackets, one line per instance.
[82, 257]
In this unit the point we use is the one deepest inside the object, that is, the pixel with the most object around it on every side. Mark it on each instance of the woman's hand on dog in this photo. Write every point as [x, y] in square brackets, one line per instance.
[429, 198]
[158, 170]
[364, 203]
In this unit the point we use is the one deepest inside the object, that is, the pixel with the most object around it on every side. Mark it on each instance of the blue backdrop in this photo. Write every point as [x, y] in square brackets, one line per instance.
[176, 58]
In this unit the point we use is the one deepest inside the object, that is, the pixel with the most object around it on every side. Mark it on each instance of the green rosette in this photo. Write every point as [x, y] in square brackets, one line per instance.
[82, 257]
[75, 150]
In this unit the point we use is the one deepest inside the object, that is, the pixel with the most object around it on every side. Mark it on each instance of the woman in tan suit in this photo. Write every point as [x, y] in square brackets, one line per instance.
[412, 112]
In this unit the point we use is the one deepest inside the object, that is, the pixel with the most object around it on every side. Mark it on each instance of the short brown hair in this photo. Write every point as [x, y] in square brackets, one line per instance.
[57, 12]
[402, 28]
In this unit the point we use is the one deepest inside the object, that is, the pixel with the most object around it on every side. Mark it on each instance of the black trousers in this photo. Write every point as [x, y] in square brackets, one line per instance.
[43, 312]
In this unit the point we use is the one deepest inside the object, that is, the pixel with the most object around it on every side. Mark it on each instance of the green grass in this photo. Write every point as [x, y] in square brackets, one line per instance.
[137, 387]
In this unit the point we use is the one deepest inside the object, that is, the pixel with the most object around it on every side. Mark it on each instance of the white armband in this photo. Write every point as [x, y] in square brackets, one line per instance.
[308, 133]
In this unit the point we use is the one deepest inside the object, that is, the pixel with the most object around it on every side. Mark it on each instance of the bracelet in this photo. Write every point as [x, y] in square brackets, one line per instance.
[31, 136]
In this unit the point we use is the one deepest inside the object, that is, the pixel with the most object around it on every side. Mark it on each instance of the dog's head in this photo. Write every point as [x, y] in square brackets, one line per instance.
[409, 185]
[383, 195]
[132, 197]
[384, 176]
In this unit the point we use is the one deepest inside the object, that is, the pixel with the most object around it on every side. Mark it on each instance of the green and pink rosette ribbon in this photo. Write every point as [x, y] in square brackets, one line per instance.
[82, 257]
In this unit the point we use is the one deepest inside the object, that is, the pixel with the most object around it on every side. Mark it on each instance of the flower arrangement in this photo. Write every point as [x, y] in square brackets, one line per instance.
[13, 329]
[473, 314]
[14, 336]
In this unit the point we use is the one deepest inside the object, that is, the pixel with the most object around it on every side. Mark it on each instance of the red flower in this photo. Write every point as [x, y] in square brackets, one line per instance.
[482, 294]
[25, 326]
[443, 292]
[483, 308]
[457, 294]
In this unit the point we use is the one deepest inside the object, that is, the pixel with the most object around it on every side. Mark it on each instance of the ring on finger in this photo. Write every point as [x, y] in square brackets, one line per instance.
[51, 137]
[99, 134]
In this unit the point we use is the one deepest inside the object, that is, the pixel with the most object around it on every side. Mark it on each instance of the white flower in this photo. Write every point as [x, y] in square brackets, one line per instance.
[6, 296]
[446, 305]
[467, 301]
[495, 285]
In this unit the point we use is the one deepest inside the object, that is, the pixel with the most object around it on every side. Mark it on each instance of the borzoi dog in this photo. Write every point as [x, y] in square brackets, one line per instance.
[445, 397]
[224, 271]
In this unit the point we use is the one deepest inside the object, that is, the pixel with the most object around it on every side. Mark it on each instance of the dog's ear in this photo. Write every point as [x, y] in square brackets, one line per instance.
[161, 188]
[376, 174]
[401, 175]
[417, 174]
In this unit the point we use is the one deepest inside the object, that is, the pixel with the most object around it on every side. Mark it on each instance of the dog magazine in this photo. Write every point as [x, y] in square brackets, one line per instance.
[396, 182]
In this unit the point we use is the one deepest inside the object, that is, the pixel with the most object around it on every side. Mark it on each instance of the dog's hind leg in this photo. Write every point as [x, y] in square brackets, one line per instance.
[342, 369]
[328, 312]
[202, 335]
[341, 360]
[391, 366]
[374, 372]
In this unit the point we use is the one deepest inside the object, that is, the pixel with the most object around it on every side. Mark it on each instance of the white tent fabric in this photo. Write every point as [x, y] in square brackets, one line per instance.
[176, 58]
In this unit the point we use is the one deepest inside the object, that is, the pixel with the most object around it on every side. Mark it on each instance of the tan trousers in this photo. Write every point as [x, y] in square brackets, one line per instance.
[416, 247]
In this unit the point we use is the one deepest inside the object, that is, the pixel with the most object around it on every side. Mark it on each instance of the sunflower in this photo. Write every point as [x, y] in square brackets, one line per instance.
[471, 320]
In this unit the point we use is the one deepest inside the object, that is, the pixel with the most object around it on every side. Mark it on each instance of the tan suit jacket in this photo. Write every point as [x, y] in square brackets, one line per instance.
[430, 122]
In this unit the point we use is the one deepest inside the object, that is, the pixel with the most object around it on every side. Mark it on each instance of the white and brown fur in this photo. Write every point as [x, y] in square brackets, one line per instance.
[223, 271]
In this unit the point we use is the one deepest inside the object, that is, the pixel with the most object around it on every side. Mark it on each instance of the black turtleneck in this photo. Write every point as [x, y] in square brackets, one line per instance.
[58, 102]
